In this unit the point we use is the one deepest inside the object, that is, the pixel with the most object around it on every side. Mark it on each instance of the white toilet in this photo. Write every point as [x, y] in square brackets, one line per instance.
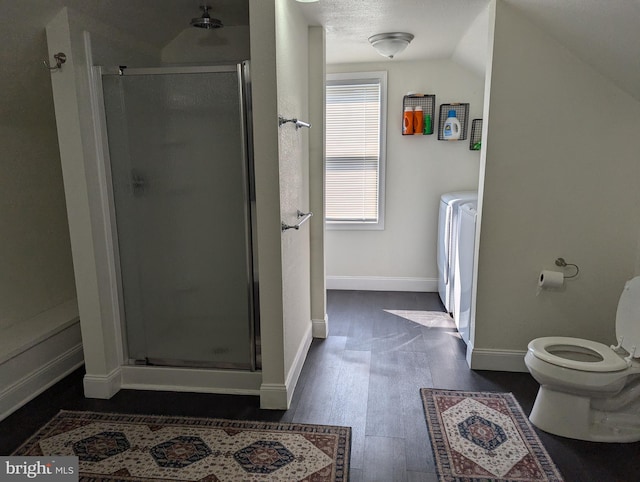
[590, 391]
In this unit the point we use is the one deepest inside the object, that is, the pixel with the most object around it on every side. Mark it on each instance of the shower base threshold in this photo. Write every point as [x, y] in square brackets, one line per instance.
[166, 362]
[190, 379]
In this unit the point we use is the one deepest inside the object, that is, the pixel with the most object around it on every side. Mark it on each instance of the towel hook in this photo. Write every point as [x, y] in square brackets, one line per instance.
[60, 58]
[298, 123]
[302, 218]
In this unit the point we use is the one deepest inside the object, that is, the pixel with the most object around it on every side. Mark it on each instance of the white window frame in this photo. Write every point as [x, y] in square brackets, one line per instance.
[381, 78]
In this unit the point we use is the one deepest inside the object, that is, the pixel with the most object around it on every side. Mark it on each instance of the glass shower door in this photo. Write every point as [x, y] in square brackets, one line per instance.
[180, 183]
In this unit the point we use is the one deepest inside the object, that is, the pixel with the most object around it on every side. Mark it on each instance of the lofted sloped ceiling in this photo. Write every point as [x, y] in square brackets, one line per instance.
[156, 21]
[604, 34]
[25, 86]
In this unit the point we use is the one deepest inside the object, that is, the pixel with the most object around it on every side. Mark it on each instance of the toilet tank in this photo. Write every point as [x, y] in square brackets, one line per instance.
[628, 317]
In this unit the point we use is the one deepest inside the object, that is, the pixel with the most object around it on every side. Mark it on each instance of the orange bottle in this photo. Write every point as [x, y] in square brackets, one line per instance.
[418, 120]
[407, 123]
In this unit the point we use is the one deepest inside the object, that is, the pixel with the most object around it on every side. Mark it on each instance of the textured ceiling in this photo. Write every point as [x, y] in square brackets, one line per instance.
[604, 34]
[437, 26]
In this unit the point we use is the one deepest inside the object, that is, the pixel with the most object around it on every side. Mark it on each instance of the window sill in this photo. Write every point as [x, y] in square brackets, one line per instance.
[379, 226]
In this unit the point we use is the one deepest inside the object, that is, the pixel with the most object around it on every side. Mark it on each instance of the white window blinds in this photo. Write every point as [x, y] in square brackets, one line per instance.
[353, 150]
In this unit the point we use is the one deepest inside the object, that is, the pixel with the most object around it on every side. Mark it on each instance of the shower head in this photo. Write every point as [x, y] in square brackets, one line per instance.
[206, 21]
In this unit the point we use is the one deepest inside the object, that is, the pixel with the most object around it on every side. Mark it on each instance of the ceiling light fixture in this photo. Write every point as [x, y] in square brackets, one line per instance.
[390, 44]
[306, 1]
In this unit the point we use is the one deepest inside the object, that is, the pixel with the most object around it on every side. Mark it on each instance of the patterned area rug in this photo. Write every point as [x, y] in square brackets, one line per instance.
[480, 436]
[120, 447]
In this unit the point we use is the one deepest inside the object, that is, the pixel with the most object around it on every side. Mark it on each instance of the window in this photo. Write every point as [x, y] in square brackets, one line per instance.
[355, 140]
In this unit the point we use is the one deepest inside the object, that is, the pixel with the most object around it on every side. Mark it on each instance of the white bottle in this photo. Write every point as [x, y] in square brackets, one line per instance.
[451, 130]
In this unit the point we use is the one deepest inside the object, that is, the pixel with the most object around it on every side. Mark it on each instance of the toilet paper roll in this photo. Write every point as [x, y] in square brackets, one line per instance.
[550, 279]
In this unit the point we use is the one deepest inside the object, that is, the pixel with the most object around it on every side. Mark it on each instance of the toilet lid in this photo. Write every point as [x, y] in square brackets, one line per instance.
[604, 358]
[628, 316]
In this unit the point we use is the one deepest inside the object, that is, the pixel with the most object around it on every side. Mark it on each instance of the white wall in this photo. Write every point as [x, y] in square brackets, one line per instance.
[317, 75]
[111, 47]
[560, 179]
[419, 169]
[279, 50]
[472, 49]
[39, 328]
[85, 190]
[292, 50]
[35, 253]
[198, 45]
[273, 391]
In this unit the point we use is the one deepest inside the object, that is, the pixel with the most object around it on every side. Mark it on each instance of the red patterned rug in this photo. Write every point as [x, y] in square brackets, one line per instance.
[481, 436]
[117, 447]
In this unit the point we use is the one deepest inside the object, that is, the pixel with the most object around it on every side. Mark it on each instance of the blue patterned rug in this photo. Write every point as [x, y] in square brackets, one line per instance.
[118, 447]
[484, 436]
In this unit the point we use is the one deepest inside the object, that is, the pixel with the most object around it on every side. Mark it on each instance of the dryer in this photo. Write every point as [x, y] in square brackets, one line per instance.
[463, 269]
[447, 242]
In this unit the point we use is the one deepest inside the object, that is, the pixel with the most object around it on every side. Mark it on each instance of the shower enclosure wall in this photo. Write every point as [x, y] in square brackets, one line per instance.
[181, 165]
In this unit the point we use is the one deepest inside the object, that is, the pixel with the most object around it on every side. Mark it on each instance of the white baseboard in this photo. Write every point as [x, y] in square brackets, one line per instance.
[102, 386]
[277, 396]
[496, 360]
[381, 283]
[320, 328]
[30, 373]
[273, 396]
[298, 363]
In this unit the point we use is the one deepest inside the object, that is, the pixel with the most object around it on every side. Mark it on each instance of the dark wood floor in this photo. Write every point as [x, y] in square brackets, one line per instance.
[365, 375]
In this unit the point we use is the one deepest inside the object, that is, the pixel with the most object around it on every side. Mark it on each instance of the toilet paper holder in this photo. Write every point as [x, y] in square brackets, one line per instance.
[563, 264]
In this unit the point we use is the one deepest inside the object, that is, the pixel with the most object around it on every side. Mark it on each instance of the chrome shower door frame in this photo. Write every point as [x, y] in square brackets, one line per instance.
[242, 70]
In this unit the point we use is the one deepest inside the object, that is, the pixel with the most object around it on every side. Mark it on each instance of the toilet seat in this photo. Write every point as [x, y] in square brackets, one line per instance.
[611, 362]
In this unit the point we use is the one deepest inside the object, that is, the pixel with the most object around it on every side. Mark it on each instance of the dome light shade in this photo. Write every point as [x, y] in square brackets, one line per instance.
[390, 44]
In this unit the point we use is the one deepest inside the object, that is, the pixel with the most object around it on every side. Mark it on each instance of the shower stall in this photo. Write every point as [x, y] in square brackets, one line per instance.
[181, 168]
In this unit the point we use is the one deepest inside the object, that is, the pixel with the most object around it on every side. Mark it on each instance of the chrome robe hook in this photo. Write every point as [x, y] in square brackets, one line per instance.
[60, 59]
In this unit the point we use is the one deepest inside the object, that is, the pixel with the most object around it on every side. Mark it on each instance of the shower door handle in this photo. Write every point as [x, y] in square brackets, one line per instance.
[138, 183]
